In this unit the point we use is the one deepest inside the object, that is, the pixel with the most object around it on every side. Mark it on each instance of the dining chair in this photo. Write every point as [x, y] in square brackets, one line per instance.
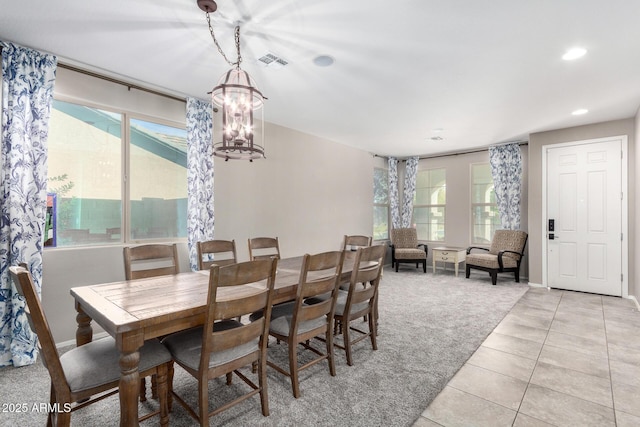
[223, 251]
[222, 346]
[360, 300]
[91, 372]
[319, 275]
[150, 261]
[353, 242]
[263, 247]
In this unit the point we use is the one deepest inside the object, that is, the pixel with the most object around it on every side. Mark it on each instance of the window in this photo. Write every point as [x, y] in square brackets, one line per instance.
[87, 201]
[484, 211]
[429, 204]
[380, 204]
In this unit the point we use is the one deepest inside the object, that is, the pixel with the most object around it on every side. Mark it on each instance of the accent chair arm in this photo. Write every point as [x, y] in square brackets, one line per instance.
[476, 247]
[501, 253]
[425, 247]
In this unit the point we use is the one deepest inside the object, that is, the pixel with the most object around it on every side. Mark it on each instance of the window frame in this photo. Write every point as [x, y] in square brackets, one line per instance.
[125, 156]
[386, 205]
[473, 205]
[437, 205]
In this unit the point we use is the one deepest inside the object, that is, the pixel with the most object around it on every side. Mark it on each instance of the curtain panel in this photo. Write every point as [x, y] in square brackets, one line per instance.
[200, 213]
[409, 192]
[28, 79]
[506, 170]
[394, 201]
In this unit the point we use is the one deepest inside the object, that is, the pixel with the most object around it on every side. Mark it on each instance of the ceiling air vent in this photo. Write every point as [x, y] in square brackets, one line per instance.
[272, 61]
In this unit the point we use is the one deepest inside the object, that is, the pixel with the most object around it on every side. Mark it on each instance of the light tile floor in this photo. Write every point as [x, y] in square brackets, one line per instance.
[558, 358]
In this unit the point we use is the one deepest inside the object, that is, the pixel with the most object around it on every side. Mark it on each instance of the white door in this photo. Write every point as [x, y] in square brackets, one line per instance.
[584, 201]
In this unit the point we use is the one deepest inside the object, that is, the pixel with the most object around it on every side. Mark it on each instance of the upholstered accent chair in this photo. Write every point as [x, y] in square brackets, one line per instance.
[405, 248]
[504, 255]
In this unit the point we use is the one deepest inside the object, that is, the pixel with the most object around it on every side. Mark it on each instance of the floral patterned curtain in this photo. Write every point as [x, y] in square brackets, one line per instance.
[393, 193]
[28, 78]
[409, 192]
[506, 169]
[200, 214]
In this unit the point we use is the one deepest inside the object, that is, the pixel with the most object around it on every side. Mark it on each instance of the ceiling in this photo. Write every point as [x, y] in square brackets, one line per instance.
[473, 73]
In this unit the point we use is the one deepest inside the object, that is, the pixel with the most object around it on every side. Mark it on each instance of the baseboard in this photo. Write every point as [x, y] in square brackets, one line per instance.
[73, 342]
[632, 298]
[536, 285]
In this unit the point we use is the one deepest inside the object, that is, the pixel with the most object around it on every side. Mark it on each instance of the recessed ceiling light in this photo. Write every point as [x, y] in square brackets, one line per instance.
[437, 130]
[323, 60]
[574, 53]
[437, 138]
[580, 112]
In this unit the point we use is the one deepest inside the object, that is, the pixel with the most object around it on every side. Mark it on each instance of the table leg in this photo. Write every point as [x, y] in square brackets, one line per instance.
[129, 379]
[455, 263]
[433, 266]
[84, 333]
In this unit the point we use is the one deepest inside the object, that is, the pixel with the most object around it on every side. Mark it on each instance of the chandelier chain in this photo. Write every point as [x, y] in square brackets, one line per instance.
[237, 41]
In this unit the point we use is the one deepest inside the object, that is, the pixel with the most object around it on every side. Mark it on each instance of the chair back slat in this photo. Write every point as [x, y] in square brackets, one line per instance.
[150, 261]
[230, 338]
[352, 243]
[223, 253]
[264, 248]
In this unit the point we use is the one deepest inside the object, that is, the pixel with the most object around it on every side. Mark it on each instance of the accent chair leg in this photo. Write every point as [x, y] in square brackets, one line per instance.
[468, 271]
[424, 266]
[517, 275]
[494, 277]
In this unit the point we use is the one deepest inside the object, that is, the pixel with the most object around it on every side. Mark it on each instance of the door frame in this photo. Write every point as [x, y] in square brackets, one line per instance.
[624, 205]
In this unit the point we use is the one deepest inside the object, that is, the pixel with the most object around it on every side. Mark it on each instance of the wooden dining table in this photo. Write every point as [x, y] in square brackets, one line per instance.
[133, 311]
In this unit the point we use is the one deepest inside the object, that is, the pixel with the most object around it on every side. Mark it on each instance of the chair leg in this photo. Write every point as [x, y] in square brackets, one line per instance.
[293, 369]
[154, 387]
[262, 383]
[203, 401]
[397, 266]
[424, 266]
[163, 393]
[330, 357]
[346, 336]
[143, 389]
[468, 271]
[52, 399]
[170, 385]
[494, 277]
[373, 332]
[517, 274]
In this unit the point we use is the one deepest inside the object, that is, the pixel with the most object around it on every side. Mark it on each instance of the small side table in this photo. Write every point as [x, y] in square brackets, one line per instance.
[448, 254]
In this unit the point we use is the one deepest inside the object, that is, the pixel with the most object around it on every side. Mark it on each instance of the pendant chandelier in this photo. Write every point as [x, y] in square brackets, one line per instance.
[238, 132]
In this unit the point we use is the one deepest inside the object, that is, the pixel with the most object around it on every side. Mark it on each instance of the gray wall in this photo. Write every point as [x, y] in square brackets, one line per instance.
[579, 133]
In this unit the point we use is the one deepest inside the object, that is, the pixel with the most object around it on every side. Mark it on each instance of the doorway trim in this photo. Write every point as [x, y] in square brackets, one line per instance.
[624, 207]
